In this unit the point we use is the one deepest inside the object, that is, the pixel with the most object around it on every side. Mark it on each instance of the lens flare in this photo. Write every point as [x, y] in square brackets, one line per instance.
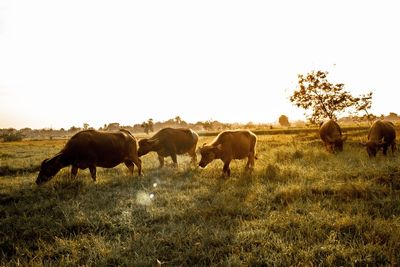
[143, 198]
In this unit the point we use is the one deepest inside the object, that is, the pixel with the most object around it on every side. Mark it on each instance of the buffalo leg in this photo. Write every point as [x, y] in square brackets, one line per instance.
[385, 148]
[93, 172]
[250, 163]
[393, 147]
[138, 163]
[74, 172]
[226, 170]
[252, 160]
[193, 154]
[130, 166]
[161, 159]
[174, 159]
[247, 164]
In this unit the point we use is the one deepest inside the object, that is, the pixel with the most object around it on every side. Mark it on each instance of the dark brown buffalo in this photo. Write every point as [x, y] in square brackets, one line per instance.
[169, 142]
[331, 135]
[229, 145]
[91, 149]
[382, 134]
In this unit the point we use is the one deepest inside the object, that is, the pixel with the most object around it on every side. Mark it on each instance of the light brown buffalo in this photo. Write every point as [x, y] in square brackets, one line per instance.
[170, 142]
[91, 149]
[382, 134]
[331, 135]
[229, 145]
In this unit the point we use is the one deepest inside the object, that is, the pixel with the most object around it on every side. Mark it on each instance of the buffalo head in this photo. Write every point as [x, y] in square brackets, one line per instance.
[208, 154]
[147, 145]
[373, 147]
[48, 169]
[336, 144]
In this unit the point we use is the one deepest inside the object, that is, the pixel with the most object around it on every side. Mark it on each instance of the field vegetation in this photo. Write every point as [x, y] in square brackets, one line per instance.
[301, 206]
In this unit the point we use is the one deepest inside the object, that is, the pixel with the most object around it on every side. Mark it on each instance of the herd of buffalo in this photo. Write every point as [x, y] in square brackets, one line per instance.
[91, 148]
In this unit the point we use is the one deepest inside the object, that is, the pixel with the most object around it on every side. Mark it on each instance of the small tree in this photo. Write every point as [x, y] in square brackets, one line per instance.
[148, 126]
[73, 129]
[85, 126]
[145, 127]
[284, 121]
[151, 125]
[363, 104]
[325, 100]
[178, 120]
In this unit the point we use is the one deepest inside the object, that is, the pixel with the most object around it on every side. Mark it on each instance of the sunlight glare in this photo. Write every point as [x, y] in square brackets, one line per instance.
[143, 198]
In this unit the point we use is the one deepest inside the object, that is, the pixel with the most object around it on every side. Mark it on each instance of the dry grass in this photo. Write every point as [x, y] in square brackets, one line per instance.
[301, 206]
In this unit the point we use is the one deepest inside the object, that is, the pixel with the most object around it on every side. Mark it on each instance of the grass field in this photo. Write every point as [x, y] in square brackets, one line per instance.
[301, 206]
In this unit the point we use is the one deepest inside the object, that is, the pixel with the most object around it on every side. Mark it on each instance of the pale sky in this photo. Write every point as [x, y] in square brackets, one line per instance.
[64, 63]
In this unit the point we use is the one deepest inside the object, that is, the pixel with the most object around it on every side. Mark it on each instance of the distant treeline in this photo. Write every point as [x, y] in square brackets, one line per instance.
[205, 128]
[11, 134]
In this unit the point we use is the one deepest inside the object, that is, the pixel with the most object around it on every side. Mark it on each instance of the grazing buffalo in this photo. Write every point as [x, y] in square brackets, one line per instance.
[91, 149]
[331, 135]
[382, 134]
[229, 145]
[169, 142]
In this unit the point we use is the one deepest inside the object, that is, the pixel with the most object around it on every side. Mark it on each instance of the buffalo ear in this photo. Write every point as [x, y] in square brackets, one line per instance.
[153, 142]
[219, 146]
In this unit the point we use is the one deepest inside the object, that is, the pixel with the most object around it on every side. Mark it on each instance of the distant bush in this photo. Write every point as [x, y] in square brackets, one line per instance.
[12, 137]
[284, 121]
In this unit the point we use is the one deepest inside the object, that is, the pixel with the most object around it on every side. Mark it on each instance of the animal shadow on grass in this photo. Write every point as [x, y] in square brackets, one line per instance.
[33, 217]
